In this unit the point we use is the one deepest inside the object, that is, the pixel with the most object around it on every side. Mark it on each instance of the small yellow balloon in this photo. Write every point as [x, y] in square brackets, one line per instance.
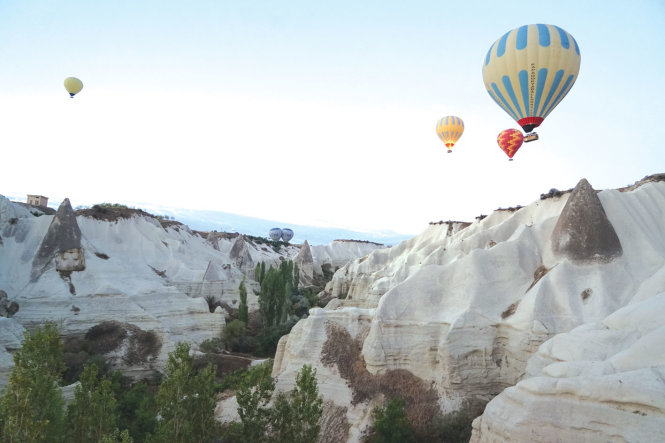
[450, 129]
[73, 86]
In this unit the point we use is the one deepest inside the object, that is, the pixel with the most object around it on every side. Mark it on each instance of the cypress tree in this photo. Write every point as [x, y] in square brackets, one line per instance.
[243, 311]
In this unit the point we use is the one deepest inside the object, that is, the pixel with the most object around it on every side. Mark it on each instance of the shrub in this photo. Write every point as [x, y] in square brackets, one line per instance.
[391, 424]
[143, 345]
[454, 427]
[213, 345]
[232, 333]
[296, 414]
[311, 296]
[270, 338]
[106, 336]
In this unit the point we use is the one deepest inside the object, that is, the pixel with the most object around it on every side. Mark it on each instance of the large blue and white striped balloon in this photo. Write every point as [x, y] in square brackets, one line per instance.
[530, 70]
[275, 234]
[287, 234]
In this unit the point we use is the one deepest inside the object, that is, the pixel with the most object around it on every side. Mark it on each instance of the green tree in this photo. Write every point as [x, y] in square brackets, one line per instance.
[137, 411]
[31, 407]
[253, 397]
[243, 311]
[391, 424]
[186, 400]
[257, 272]
[296, 277]
[272, 298]
[261, 273]
[286, 269]
[92, 413]
[295, 416]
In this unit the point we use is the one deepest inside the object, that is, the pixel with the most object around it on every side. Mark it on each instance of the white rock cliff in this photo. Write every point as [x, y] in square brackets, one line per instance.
[82, 270]
[465, 309]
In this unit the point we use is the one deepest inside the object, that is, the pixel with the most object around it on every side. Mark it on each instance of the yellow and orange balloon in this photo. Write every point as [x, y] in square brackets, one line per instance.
[510, 141]
[450, 129]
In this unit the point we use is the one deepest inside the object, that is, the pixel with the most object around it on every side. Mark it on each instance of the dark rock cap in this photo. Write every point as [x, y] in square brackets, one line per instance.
[63, 234]
[583, 231]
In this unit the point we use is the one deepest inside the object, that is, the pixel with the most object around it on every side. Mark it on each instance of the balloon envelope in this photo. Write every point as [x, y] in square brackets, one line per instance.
[275, 234]
[530, 70]
[73, 86]
[450, 129]
[510, 141]
[287, 234]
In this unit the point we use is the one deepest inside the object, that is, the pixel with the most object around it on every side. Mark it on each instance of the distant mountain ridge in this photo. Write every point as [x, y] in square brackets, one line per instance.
[208, 220]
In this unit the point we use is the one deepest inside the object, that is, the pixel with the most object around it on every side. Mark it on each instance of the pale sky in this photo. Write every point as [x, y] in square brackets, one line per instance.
[315, 113]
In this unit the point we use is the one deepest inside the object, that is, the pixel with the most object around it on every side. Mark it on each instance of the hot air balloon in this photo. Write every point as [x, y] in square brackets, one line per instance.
[530, 70]
[73, 86]
[450, 129]
[275, 234]
[287, 234]
[510, 141]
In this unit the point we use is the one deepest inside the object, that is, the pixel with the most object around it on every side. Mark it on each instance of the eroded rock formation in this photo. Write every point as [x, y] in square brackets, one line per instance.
[583, 231]
[241, 256]
[212, 240]
[305, 263]
[62, 242]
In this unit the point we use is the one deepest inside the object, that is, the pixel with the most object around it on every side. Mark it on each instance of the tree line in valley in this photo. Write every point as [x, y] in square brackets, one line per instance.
[180, 408]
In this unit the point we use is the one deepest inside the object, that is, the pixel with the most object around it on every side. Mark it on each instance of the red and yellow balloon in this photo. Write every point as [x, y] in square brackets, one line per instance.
[510, 141]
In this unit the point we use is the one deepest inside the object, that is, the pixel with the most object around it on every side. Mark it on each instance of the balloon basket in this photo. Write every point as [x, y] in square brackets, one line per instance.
[530, 137]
